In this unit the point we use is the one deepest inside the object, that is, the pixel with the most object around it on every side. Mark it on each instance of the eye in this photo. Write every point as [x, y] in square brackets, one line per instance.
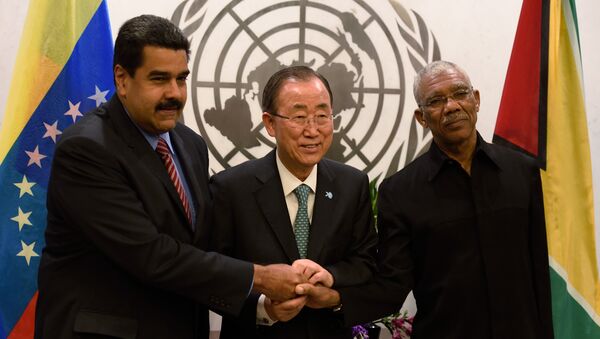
[158, 79]
[322, 118]
[435, 101]
[461, 94]
[298, 119]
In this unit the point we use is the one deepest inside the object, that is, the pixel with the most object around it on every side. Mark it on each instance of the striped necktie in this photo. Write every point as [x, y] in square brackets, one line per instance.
[163, 151]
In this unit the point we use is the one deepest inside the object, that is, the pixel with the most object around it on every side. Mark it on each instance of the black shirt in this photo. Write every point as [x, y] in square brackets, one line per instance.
[471, 247]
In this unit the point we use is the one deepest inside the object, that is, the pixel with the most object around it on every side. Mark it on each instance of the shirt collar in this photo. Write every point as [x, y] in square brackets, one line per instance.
[289, 182]
[439, 159]
[152, 138]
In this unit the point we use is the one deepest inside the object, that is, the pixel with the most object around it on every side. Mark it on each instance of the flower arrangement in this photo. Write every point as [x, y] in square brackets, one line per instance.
[399, 325]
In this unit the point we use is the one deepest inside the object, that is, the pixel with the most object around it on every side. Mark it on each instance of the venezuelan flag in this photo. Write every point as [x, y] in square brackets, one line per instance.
[542, 113]
[63, 69]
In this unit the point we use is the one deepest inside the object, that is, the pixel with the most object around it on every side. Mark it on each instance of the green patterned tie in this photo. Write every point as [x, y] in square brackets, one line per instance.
[301, 224]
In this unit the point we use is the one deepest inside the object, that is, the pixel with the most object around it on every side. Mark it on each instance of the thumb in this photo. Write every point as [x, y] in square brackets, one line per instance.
[303, 289]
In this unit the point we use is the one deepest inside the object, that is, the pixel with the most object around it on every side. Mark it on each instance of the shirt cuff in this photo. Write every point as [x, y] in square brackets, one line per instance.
[262, 317]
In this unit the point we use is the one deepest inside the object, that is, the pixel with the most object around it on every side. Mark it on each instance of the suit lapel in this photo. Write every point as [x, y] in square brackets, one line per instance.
[186, 160]
[271, 201]
[142, 149]
[325, 203]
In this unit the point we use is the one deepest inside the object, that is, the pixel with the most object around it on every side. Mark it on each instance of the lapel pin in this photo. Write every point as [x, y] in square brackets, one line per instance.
[329, 195]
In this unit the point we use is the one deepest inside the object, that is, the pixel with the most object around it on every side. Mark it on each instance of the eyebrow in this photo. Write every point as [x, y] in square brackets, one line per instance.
[303, 106]
[453, 88]
[167, 74]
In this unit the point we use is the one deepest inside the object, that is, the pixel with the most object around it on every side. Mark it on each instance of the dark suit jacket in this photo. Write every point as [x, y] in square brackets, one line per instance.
[471, 247]
[120, 258]
[252, 223]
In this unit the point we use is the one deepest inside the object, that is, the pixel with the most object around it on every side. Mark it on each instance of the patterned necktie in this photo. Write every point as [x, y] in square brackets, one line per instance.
[163, 151]
[301, 224]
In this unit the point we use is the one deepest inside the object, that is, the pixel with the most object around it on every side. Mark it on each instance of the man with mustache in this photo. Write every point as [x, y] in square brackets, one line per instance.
[128, 210]
[462, 226]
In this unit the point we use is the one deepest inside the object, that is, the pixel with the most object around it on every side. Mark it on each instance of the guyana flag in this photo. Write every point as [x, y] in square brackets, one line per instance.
[542, 113]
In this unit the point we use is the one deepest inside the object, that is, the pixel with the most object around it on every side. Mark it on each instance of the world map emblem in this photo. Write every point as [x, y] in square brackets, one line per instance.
[368, 51]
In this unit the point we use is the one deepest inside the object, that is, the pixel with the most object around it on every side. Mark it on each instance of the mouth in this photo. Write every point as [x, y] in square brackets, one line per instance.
[455, 119]
[310, 147]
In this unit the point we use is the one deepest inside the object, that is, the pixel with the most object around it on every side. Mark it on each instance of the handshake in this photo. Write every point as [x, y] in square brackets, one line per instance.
[289, 288]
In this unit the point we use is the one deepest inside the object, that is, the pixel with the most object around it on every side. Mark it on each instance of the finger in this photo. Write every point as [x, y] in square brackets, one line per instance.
[303, 289]
[322, 277]
[317, 278]
[299, 264]
[308, 272]
[295, 303]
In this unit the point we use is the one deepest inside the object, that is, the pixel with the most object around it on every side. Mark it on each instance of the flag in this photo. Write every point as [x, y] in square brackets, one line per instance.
[63, 69]
[542, 113]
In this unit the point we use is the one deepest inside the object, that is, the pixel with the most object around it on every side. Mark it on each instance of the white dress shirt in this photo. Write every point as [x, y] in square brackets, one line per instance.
[289, 182]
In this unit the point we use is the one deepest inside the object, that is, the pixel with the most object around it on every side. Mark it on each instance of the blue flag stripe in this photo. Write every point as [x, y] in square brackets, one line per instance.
[87, 72]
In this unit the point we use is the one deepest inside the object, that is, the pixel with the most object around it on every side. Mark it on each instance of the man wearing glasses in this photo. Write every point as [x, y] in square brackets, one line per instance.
[294, 206]
[462, 226]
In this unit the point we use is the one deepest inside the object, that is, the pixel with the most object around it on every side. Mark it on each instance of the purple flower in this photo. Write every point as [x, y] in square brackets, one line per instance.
[360, 332]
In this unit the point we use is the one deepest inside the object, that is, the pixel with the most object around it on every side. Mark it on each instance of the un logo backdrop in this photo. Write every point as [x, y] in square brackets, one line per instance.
[369, 52]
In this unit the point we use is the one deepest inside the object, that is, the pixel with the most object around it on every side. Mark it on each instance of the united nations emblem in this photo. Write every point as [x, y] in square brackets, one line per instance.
[361, 48]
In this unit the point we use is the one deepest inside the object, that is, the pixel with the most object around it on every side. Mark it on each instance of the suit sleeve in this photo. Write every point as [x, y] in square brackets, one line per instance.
[358, 266]
[222, 240]
[538, 246]
[99, 202]
[386, 293]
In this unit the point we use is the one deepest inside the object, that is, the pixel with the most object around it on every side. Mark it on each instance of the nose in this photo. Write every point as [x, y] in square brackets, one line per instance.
[175, 89]
[311, 128]
[451, 105]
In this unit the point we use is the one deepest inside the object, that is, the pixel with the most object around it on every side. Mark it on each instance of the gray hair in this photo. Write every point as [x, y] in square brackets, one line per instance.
[432, 69]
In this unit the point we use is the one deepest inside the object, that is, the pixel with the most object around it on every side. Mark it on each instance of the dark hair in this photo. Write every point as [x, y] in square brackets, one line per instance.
[146, 30]
[276, 81]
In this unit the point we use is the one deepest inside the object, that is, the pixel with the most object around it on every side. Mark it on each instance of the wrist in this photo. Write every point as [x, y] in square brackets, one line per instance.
[264, 314]
[335, 300]
[258, 278]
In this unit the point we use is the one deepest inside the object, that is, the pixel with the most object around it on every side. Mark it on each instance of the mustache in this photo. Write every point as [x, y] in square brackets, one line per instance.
[170, 104]
[454, 117]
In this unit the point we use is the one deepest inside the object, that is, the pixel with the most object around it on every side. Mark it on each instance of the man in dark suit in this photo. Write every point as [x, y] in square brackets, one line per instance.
[261, 216]
[462, 226]
[126, 224]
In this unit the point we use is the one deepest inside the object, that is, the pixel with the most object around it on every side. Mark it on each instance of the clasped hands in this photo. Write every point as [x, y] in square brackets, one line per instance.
[289, 288]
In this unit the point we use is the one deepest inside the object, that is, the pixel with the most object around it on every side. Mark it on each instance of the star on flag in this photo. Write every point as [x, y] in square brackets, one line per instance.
[24, 187]
[74, 110]
[35, 157]
[99, 96]
[27, 251]
[52, 131]
[22, 219]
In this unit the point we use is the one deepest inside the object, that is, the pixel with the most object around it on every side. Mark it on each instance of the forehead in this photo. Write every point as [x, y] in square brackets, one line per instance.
[154, 57]
[311, 91]
[446, 80]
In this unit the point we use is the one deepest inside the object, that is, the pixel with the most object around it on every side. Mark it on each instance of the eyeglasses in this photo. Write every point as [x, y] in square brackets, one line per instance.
[440, 101]
[320, 120]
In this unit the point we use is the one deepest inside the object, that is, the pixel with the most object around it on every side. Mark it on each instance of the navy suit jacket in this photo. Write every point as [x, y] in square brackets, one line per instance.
[252, 223]
[121, 259]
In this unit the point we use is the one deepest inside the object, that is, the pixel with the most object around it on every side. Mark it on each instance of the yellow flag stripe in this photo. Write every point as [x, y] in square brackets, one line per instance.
[50, 33]
[567, 181]
[569, 18]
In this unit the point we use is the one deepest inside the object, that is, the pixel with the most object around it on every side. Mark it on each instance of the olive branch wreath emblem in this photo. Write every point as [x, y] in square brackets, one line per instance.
[422, 48]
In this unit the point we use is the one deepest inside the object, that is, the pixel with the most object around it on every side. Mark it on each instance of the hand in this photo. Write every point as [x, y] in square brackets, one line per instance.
[319, 296]
[284, 310]
[277, 281]
[314, 272]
